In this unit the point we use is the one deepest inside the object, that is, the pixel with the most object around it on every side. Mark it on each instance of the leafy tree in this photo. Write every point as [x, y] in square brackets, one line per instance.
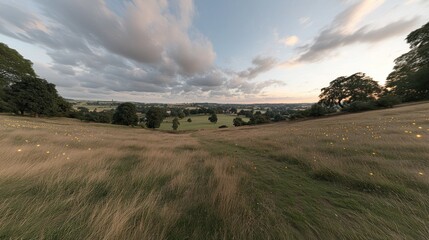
[154, 117]
[189, 120]
[318, 110]
[35, 96]
[213, 118]
[258, 118]
[357, 87]
[237, 122]
[13, 68]
[125, 114]
[410, 76]
[176, 124]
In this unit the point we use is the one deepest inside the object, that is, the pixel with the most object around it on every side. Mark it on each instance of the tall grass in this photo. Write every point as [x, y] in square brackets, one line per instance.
[355, 176]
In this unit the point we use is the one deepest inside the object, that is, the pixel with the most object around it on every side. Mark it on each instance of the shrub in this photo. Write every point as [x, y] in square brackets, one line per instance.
[223, 126]
[359, 106]
[388, 101]
[189, 120]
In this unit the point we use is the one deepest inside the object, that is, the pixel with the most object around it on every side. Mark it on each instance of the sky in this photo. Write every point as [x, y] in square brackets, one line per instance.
[225, 51]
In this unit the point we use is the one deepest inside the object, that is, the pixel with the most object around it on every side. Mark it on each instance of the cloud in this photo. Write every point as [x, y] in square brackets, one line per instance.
[290, 40]
[305, 21]
[345, 31]
[260, 65]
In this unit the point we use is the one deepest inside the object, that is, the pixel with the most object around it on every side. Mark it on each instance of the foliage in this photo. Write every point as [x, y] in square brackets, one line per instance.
[125, 114]
[13, 66]
[318, 110]
[176, 124]
[410, 76]
[258, 118]
[189, 120]
[357, 87]
[36, 96]
[213, 118]
[237, 122]
[223, 126]
[359, 106]
[98, 117]
[388, 101]
[154, 117]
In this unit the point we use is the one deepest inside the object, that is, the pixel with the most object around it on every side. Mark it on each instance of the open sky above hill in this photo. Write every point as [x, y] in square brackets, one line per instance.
[242, 51]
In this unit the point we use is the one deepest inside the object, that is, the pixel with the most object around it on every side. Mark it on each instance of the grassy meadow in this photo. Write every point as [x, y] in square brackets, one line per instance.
[200, 122]
[355, 176]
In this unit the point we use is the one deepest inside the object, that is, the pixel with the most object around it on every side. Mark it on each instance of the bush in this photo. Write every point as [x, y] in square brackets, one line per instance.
[238, 122]
[189, 120]
[318, 110]
[388, 101]
[223, 126]
[359, 106]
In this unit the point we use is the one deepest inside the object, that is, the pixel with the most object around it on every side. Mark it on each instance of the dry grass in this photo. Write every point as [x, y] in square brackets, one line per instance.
[355, 176]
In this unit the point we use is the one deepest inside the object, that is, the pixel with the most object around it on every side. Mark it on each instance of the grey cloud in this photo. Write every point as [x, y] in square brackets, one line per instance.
[146, 49]
[64, 69]
[214, 79]
[341, 32]
[329, 39]
[261, 65]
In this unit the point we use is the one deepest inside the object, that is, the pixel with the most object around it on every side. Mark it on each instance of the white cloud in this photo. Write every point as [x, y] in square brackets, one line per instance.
[290, 40]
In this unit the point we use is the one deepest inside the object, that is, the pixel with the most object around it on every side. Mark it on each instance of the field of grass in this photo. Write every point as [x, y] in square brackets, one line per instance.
[356, 176]
[200, 122]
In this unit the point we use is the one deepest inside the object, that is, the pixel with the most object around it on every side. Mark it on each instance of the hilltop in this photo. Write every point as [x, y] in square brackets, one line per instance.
[354, 176]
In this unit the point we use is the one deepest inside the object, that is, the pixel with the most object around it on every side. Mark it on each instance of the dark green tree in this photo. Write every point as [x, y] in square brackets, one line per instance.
[13, 68]
[213, 118]
[237, 122]
[35, 96]
[154, 117]
[176, 124]
[357, 87]
[258, 118]
[410, 76]
[125, 114]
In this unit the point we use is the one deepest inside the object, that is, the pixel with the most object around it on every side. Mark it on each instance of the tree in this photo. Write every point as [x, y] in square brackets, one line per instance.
[125, 114]
[154, 117]
[357, 87]
[410, 76]
[176, 124]
[258, 118]
[237, 122]
[35, 96]
[189, 120]
[213, 118]
[13, 68]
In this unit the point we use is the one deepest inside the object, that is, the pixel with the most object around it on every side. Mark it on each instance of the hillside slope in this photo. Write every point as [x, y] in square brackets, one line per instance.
[354, 176]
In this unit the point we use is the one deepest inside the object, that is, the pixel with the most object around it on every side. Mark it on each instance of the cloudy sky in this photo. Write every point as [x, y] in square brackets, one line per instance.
[239, 51]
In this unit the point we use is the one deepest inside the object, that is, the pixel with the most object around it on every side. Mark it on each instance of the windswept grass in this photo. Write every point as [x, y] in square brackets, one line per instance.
[358, 176]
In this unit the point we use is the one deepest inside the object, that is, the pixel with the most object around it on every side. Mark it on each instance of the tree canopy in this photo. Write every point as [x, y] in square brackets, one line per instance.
[176, 123]
[154, 117]
[125, 114]
[410, 76]
[357, 87]
[13, 66]
[213, 118]
[35, 96]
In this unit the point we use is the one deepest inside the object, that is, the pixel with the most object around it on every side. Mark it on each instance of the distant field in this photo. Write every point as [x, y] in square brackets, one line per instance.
[200, 122]
[356, 176]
